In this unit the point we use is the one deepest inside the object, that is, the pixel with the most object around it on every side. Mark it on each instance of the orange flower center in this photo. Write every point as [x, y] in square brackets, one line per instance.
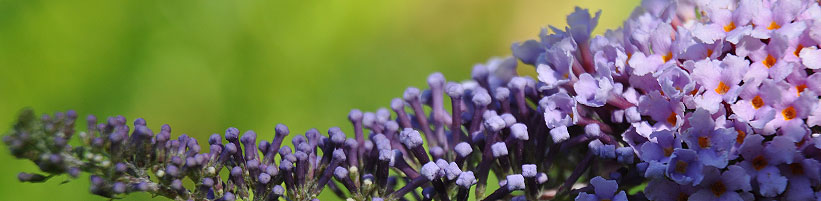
[800, 143]
[718, 188]
[800, 88]
[797, 168]
[672, 119]
[789, 113]
[729, 27]
[759, 162]
[798, 49]
[703, 142]
[773, 25]
[722, 88]
[740, 137]
[668, 151]
[683, 197]
[667, 57]
[757, 102]
[709, 52]
[681, 167]
[769, 61]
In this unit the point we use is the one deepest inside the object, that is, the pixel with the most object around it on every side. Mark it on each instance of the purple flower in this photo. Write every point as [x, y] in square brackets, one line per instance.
[802, 174]
[559, 69]
[685, 167]
[559, 110]
[666, 112]
[661, 146]
[604, 190]
[664, 189]
[761, 159]
[592, 91]
[721, 78]
[723, 186]
[712, 144]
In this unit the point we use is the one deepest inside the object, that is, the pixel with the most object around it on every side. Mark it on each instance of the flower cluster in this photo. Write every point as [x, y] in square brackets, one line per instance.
[720, 98]
[698, 100]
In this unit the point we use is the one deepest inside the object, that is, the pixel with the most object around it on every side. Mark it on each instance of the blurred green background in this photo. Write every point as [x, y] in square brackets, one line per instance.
[202, 66]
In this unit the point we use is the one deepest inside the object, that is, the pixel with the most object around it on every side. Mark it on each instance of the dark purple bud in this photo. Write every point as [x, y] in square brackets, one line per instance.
[355, 115]
[411, 93]
[98, 185]
[290, 157]
[278, 190]
[304, 147]
[501, 94]
[286, 165]
[437, 152]
[410, 138]
[215, 139]
[249, 139]
[515, 182]
[231, 148]
[481, 97]
[207, 182]
[298, 139]
[312, 135]
[454, 90]
[252, 165]
[176, 160]
[31, 177]
[172, 170]
[337, 136]
[236, 171]
[430, 171]
[139, 122]
[272, 170]
[91, 119]
[121, 120]
[263, 147]
[74, 172]
[479, 72]
[118, 187]
[177, 185]
[499, 149]
[284, 151]
[98, 142]
[116, 137]
[381, 142]
[383, 115]
[191, 162]
[519, 131]
[215, 149]
[340, 173]
[495, 123]
[282, 130]
[231, 134]
[397, 104]
[463, 149]
[264, 178]
[228, 196]
[120, 168]
[391, 127]
[592, 130]
[141, 186]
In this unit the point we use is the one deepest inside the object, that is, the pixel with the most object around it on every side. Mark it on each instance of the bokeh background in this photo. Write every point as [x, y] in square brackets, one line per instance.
[202, 66]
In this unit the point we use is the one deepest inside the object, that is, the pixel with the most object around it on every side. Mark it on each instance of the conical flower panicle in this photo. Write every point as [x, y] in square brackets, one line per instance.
[698, 100]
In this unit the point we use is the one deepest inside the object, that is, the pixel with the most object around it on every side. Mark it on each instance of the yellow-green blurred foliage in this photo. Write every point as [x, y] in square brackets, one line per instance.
[202, 66]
